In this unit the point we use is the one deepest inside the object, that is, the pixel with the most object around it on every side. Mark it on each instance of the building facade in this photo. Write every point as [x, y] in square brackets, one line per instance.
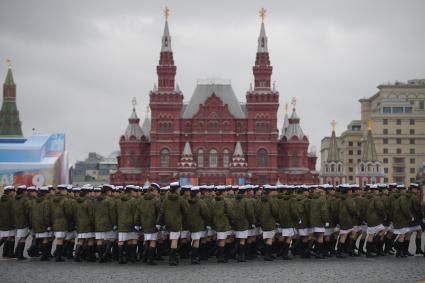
[214, 138]
[396, 114]
[95, 169]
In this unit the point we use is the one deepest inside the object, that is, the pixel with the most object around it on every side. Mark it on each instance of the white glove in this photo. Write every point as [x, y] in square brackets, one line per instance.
[327, 225]
[158, 227]
[49, 229]
[209, 228]
[114, 227]
[137, 228]
[413, 219]
[253, 226]
[299, 222]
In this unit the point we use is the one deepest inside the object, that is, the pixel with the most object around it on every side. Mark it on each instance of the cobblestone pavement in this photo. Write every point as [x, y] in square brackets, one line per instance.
[388, 269]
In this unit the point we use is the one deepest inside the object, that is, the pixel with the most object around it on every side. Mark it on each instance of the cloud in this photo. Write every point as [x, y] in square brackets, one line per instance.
[78, 64]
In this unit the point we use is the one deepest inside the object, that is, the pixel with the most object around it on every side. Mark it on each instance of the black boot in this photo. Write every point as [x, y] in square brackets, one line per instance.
[45, 252]
[399, 248]
[140, 251]
[241, 253]
[50, 245]
[173, 260]
[115, 252]
[6, 249]
[285, 251]
[150, 256]
[78, 249]
[369, 249]
[361, 247]
[107, 254]
[121, 257]
[194, 256]
[220, 255]
[340, 250]
[102, 253]
[319, 253]
[304, 249]
[58, 253]
[20, 251]
[91, 257]
[406, 244]
[203, 252]
[418, 246]
[388, 246]
[332, 246]
[268, 253]
[132, 253]
[295, 247]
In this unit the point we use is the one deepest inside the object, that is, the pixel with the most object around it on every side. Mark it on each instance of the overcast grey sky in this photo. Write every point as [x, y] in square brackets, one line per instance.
[77, 64]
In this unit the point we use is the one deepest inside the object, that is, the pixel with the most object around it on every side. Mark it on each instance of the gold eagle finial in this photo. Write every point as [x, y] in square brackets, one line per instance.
[333, 124]
[166, 13]
[262, 14]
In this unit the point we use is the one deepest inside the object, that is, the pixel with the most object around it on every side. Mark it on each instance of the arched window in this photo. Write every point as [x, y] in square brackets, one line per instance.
[262, 158]
[213, 158]
[200, 158]
[165, 158]
[226, 158]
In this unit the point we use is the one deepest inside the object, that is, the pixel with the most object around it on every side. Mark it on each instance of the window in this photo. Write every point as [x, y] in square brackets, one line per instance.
[350, 143]
[411, 132]
[398, 160]
[412, 121]
[399, 169]
[385, 121]
[262, 157]
[407, 109]
[385, 180]
[385, 131]
[359, 152]
[398, 122]
[200, 158]
[421, 105]
[213, 158]
[412, 151]
[385, 151]
[226, 158]
[350, 178]
[350, 152]
[412, 141]
[386, 109]
[350, 169]
[385, 141]
[398, 131]
[385, 160]
[165, 158]
[386, 170]
[412, 171]
[398, 150]
[397, 109]
[359, 143]
[350, 161]
[412, 161]
[398, 141]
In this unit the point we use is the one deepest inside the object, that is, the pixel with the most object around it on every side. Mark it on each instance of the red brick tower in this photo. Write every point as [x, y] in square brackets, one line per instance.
[262, 104]
[165, 104]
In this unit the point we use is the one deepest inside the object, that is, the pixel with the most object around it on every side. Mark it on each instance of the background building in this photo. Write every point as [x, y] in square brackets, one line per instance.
[214, 138]
[95, 169]
[397, 116]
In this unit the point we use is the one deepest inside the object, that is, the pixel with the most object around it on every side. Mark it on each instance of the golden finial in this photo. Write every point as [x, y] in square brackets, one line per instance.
[166, 13]
[286, 108]
[294, 102]
[9, 63]
[262, 14]
[333, 124]
[369, 125]
[134, 102]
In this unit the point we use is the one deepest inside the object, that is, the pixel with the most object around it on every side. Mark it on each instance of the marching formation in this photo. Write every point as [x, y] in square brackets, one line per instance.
[131, 223]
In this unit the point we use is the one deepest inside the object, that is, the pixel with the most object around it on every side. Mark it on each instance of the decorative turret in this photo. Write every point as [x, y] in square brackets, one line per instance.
[333, 170]
[186, 159]
[10, 125]
[294, 131]
[369, 150]
[369, 169]
[133, 131]
[238, 159]
[166, 69]
[285, 121]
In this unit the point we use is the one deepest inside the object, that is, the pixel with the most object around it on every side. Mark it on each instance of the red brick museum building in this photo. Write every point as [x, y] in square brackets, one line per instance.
[213, 138]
